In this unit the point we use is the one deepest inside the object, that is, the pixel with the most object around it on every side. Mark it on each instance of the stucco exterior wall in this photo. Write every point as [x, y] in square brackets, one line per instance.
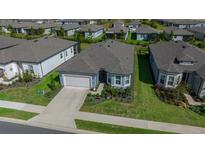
[10, 70]
[93, 34]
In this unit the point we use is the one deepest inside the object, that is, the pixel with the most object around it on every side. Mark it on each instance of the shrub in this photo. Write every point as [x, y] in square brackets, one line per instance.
[27, 76]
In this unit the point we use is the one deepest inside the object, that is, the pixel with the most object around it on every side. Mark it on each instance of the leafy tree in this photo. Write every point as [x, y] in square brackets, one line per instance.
[61, 32]
[11, 29]
[122, 34]
[27, 76]
[33, 32]
[41, 31]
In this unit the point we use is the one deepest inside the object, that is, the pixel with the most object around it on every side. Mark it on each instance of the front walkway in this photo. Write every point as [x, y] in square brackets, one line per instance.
[191, 101]
[60, 110]
[145, 124]
[22, 106]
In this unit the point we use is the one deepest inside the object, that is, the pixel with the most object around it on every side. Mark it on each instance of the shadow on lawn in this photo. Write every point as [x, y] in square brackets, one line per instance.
[145, 74]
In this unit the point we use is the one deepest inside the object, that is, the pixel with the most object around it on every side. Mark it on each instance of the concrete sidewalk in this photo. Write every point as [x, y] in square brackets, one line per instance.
[146, 124]
[22, 106]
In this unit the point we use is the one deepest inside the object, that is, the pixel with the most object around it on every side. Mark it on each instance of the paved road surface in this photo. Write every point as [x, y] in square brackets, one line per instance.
[13, 128]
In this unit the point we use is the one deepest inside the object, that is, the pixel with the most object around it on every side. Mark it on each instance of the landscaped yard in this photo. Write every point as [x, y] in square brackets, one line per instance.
[34, 94]
[11, 113]
[146, 104]
[113, 129]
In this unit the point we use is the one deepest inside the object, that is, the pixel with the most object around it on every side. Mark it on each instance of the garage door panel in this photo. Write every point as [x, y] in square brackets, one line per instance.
[77, 81]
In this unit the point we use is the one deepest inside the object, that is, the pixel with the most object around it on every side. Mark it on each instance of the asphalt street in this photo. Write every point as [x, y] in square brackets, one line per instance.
[13, 128]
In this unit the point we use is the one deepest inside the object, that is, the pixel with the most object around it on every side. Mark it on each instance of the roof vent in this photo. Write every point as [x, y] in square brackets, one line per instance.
[108, 45]
[35, 41]
[183, 46]
[112, 41]
[45, 37]
[176, 41]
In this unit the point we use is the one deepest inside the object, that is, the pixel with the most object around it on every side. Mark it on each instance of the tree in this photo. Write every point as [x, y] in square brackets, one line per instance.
[41, 31]
[1, 30]
[11, 29]
[32, 31]
[61, 32]
[122, 34]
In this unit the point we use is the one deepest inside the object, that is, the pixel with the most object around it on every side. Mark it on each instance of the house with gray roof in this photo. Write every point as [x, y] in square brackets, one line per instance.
[133, 25]
[38, 56]
[183, 23]
[110, 62]
[69, 29]
[91, 30]
[177, 34]
[145, 33]
[199, 32]
[118, 30]
[25, 27]
[175, 62]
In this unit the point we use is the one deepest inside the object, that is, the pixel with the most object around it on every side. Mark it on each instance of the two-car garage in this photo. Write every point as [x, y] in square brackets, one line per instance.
[76, 80]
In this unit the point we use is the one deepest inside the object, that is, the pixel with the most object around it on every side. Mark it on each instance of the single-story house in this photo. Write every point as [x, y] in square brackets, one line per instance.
[177, 34]
[118, 23]
[91, 30]
[69, 29]
[175, 62]
[199, 32]
[183, 23]
[133, 25]
[109, 62]
[25, 27]
[78, 21]
[145, 33]
[39, 57]
[116, 32]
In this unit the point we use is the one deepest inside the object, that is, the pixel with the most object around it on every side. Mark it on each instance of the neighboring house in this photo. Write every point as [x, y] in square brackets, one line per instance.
[118, 23]
[133, 25]
[78, 21]
[91, 31]
[39, 57]
[109, 62]
[7, 42]
[25, 27]
[199, 32]
[69, 29]
[145, 33]
[177, 34]
[175, 62]
[182, 23]
[117, 31]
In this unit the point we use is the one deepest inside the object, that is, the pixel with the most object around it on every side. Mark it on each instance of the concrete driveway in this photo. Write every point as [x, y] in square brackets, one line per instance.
[61, 109]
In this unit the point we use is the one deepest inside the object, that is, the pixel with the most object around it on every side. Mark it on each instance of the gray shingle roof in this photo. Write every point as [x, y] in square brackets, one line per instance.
[117, 29]
[165, 54]
[146, 30]
[35, 50]
[90, 27]
[113, 56]
[182, 21]
[197, 29]
[135, 22]
[177, 31]
[69, 26]
[6, 42]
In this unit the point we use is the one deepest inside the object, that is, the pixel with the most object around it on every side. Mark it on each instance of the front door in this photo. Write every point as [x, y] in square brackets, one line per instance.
[103, 76]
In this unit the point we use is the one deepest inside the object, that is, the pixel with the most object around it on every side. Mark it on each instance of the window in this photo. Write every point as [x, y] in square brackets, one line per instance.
[171, 80]
[61, 55]
[127, 80]
[118, 80]
[109, 78]
[66, 53]
[71, 50]
[162, 79]
[30, 68]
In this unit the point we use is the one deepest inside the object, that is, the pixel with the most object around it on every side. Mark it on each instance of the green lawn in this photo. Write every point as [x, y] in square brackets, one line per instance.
[11, 113]
[84, 46]
[113, 129]
[146, 104]
[30, 94]
[133, 41]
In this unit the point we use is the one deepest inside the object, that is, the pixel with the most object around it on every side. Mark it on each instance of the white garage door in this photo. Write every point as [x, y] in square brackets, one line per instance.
[77, 81]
